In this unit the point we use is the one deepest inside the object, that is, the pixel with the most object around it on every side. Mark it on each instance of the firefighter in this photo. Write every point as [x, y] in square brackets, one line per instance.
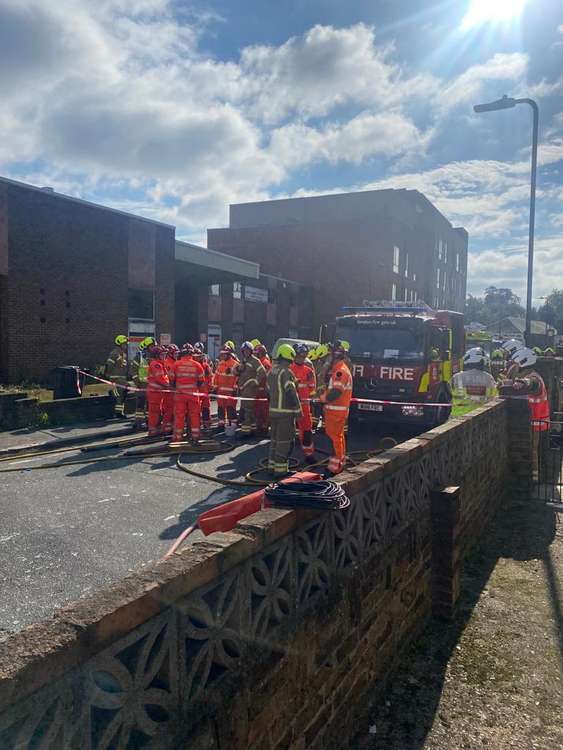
[188, 378]
[306, 389]
[262, 411]
[250, 374]
[230, 345]
[321, 364]
[225, 386]
[284, 409]
[205, 402]
[526, 382]
[117, 367]
[336, 399]
[158, 380]
[474, 383]
[171, 355]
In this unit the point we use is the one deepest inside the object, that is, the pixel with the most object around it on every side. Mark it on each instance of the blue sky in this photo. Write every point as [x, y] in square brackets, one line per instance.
[173, 110]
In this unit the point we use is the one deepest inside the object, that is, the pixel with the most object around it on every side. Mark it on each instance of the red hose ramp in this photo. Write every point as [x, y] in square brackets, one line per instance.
[226, 516]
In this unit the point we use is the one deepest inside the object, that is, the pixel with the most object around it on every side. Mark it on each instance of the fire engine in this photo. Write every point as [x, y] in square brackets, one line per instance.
[402, 353]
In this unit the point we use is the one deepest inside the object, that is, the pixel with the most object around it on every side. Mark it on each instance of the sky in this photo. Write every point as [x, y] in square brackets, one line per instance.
[173, 109]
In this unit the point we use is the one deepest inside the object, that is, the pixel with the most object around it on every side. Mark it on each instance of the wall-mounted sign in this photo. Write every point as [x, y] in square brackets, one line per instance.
[254, 294]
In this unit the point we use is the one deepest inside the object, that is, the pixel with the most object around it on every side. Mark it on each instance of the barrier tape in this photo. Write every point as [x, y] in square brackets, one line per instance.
[134, 389]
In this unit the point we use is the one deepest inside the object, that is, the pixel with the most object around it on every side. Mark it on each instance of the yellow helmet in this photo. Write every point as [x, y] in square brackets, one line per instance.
[145, 343]
[322, 351]
[255, 342]
[229, 345]
[121, 339]
[345, 345]
[313, 355]
[286, 351]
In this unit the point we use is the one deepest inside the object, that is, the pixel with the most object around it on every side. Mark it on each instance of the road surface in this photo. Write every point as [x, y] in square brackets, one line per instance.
[67, 531]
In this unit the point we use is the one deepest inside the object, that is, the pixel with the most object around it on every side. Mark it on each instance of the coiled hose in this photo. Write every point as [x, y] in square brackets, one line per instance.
[321, 495]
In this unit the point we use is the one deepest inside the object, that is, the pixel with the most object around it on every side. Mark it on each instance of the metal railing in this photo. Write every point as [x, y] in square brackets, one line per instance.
[549, 478]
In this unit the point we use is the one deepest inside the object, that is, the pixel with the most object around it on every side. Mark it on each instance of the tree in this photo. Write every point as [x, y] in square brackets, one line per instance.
[496, 305]
[502, 303]
[474, 312]
[552, 310]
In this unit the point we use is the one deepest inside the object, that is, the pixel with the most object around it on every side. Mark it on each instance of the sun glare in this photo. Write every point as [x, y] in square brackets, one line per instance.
[491, 11]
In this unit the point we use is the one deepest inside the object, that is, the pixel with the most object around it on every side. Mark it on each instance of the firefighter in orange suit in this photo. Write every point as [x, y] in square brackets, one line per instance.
[157, 382]
[188, 378]
[336, 399]
[205, 402]
[306, 388]
[172, 354]
[225, 386]
[262, 408]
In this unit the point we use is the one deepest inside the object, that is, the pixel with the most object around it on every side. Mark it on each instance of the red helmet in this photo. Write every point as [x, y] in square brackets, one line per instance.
[261, 350]
[199, 347]
[187, 349]
[156, 350]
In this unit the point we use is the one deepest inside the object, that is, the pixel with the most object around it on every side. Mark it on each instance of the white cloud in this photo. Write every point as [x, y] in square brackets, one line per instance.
[468, 86]
[117, 94]
[358, 139]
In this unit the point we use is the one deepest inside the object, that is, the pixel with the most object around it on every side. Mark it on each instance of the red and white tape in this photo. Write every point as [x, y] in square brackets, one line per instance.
[134, 389]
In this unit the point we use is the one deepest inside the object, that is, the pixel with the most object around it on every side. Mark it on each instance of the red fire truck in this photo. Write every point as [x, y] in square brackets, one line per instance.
[403, 353]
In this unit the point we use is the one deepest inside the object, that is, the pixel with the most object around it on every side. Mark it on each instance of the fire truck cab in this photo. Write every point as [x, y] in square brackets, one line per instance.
[403, 358]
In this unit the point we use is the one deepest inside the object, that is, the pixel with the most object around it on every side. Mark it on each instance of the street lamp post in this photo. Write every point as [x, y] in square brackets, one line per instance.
[508, 103]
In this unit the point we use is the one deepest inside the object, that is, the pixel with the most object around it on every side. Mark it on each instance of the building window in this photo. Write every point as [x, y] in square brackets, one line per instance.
[214, 290]
[444, 281]
[237, 290]
[393, 292]
[415, 295]
[140, 304]
[414, 277]
[439, 249]
[437, 278]
[406, 266]
[396, 257]
[406, 294]
[457, 261]
[445, 252]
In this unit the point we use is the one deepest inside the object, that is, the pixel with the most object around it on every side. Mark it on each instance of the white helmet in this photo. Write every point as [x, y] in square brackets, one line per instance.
[524, 357]
[511, 346]
[476, 350]
[474, 357]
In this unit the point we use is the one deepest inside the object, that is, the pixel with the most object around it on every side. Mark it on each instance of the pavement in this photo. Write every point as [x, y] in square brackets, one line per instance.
[70, 530]
[30, 437]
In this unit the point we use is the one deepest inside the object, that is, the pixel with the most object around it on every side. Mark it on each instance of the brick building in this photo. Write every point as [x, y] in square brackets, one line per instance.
[73, 274]
[382, 244]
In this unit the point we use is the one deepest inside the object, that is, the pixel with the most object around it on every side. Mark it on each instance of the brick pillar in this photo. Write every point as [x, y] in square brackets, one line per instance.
[519, 449]
[445, 510]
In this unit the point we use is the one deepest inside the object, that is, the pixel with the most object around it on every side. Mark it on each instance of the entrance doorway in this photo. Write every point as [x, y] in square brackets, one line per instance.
[213, 340]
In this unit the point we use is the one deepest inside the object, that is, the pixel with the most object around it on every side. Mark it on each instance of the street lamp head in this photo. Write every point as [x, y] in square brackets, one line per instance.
[507, 102]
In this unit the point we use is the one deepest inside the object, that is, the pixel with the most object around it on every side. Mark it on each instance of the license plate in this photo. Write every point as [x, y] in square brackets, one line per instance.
[370, 407]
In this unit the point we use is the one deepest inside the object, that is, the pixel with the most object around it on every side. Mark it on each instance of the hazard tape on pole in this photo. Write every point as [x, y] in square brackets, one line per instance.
[355, 400]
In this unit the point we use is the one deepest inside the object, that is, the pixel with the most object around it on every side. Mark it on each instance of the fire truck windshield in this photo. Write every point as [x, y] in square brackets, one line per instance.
[383, 343]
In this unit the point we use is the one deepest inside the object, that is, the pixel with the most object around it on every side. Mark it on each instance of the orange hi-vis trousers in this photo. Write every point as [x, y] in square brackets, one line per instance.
[305, 429]
[186, 404]
[335, 422]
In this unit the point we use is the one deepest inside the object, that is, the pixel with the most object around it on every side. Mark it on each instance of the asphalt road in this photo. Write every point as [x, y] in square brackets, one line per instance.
[67, 531]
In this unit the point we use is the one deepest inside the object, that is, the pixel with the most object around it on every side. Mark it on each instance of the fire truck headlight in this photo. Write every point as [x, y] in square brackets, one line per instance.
[412, 411]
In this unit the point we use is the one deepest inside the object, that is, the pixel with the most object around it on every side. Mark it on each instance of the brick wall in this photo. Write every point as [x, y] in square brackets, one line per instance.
[347, 261]
[275, 635]
[68, 280]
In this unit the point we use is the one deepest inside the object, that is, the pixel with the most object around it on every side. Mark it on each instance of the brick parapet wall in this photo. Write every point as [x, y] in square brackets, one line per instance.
[274, 635]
